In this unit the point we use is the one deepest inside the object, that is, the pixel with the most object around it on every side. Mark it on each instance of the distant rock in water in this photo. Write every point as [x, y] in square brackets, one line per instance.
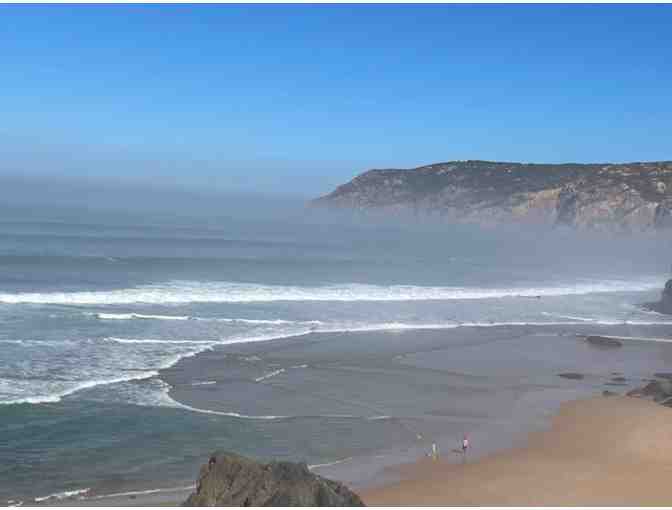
[233, 480]
[572, 375]
[603, 341]
[628, 196]
[665, 303]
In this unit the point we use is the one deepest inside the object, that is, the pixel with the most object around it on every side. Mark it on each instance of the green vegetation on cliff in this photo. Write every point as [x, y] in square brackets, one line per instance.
[635, 196]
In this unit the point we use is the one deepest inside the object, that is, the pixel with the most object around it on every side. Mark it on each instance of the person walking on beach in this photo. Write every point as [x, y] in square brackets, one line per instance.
[465, 446]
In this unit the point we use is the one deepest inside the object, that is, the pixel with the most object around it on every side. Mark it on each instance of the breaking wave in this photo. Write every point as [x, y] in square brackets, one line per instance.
[269, 375]
[570, 317]
[181, 292]
[62, 495]
[131, 316]
[158, 341]
[84, 385]
[141, 493]
[170, 351]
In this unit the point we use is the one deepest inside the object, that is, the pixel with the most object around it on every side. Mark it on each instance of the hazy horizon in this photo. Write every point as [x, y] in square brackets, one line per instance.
[169, 289]
[298, 99]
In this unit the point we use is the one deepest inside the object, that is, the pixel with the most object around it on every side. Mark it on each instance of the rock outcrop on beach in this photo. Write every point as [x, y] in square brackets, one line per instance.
[665, 303]
[630, 196]
[233, 480]
[658, 390]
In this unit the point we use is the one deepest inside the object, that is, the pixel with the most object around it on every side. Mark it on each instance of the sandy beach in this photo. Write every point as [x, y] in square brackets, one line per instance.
[423, 387]
[598, 451]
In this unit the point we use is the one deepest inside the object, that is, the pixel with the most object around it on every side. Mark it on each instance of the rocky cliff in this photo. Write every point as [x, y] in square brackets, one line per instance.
[229, 479]
[665, 303]
[631, 196]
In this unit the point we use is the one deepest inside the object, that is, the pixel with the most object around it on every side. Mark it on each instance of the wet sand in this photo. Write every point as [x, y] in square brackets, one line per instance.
[363, 407]
[371, 401]
[599, 451]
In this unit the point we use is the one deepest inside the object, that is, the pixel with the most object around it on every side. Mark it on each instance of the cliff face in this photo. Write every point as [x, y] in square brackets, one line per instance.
[632, 196]
[665, 303]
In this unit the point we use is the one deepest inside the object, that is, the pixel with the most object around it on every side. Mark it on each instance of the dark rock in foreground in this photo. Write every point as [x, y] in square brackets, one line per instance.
[233, 480]
[603, 341]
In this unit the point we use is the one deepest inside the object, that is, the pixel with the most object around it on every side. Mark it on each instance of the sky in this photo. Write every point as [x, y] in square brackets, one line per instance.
[298, 99]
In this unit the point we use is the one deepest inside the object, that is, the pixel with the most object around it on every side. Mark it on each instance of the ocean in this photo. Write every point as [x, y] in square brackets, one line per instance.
[132, 346]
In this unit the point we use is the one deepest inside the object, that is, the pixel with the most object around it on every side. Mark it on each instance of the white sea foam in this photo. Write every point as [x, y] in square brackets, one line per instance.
[159, 341]
[131, 316]
[79, 386]
[570, 317]
[141, 493]
[45, 343]
[182, 348]
[179, 405]
[383, 326]
[157, 394]
[327, 464]
[400, 326]
[269, 375]
[63, 495]
[163, 399]
[262, 321]
[180, 292]
[203, 383]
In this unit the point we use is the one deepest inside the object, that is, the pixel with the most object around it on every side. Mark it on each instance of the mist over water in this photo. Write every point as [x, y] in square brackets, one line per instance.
[95, 303]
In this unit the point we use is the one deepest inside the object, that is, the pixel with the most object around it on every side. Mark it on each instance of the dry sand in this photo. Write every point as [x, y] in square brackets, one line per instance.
[600, 451]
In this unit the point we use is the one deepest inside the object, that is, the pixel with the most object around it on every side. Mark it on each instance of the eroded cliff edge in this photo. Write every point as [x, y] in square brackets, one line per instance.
[628, 196]
[229, 479]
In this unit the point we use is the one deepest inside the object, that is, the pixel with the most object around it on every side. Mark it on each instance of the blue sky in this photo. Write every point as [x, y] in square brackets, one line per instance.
[300, 98]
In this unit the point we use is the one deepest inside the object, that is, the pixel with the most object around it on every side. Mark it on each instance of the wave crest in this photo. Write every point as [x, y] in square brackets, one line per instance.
[182, 292]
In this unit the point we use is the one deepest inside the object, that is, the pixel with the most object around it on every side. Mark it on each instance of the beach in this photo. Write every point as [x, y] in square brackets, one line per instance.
[363, 407]
[131, 352]
[423, 388]
[598, 451]
[602, 451]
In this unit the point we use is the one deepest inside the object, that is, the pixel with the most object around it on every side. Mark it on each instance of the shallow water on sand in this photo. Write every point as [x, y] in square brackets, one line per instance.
[130, 351]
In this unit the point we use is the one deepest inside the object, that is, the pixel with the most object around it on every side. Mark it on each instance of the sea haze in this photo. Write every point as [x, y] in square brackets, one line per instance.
[136, 339]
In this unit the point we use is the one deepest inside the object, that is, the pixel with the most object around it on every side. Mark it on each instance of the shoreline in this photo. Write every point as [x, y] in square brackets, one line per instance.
[373, 474]
[529, 414]
[596, 451]
[361, 470]
[600, 451]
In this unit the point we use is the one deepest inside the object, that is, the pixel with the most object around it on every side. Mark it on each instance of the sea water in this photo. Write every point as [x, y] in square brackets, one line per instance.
[131, 348]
